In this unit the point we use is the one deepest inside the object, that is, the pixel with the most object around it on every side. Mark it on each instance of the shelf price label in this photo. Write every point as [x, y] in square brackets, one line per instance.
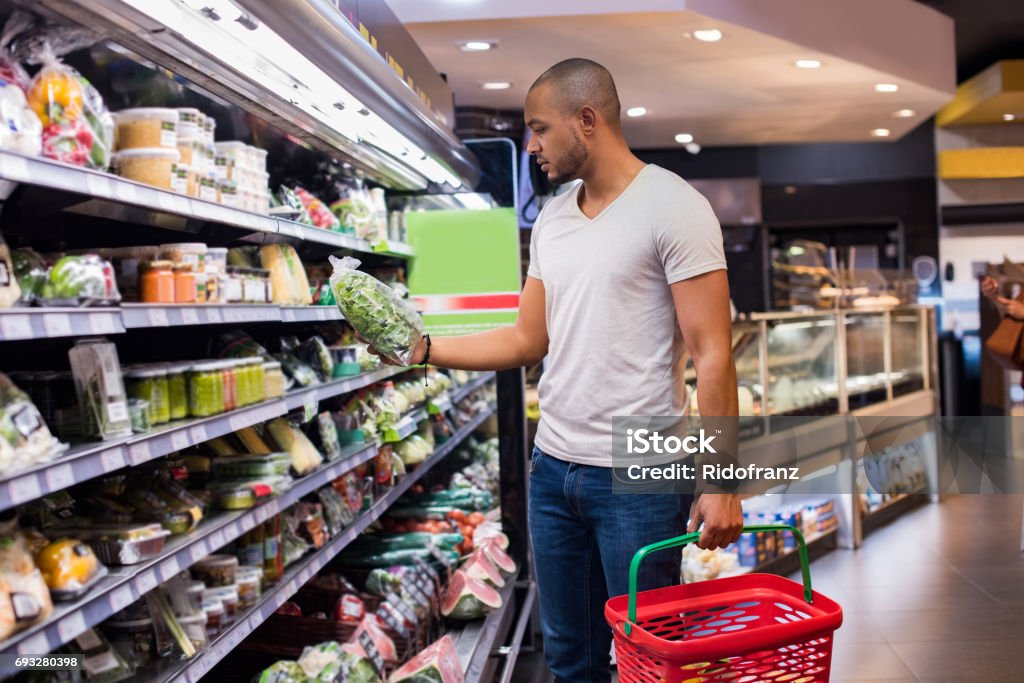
[158, 317]
[112, 459]
[59, 477]
[189, 316]
[179, 440]
[71, 626]
[57, 324]
[146, 582]
[16, 326]
[121, 598]
[103, 323]
[24, 489]
[139, 453]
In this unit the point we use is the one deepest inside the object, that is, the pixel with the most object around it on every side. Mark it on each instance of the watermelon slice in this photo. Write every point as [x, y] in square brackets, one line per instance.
[372, 625]
[437, 664]
[494, 552]
[479, 566]
[488, 531]
[468, 598]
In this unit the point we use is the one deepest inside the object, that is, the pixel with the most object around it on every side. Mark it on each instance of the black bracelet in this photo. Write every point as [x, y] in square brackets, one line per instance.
[426, 360]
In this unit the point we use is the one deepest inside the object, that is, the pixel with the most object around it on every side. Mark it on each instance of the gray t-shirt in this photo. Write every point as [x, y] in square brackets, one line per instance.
[615, 346]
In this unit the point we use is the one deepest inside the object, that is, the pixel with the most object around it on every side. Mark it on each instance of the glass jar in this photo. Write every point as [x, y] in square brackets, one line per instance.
[253, 291]
[228, 597]
[226, 371]
[216, 263]
[248, 582]
[194, 254]
[156, 282]
[273, 380]
[205, 389]
[184, 284]
[177, 387]
[231, 290]
[258, 381]
[242, 391]
[150, 384]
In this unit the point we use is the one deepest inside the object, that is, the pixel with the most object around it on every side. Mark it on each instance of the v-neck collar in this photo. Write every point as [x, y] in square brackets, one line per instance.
[579, 209]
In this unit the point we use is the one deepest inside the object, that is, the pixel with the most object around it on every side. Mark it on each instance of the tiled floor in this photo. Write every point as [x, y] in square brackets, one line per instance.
[936, 596]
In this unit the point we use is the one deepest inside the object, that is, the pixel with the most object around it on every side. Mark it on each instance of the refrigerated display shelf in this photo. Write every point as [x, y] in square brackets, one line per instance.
[299, 573]
[475, 642]
[46, 323]
[817, 545]
[43, 323]
[124, 585]
[166, 209]
[407, 426]
[90, 460]
[891, 509]
[467, 389]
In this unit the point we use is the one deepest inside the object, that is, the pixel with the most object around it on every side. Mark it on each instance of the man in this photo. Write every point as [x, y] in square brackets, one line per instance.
[623, 269]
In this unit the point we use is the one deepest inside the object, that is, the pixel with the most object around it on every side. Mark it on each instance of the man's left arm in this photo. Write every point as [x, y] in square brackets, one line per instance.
[705, 319]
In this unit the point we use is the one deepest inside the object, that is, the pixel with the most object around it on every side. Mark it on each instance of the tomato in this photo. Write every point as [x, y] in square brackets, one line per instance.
[476, 518]
[457, 515]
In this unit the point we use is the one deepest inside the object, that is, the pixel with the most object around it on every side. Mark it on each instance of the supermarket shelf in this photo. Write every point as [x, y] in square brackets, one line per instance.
[43, 323]
[407, 426]
[87, 461]
[891, 509]
[302, 571]
[789, 562]
[310, 314]
[124, 585]
[301, 397]
[174, 315]
[166, 209]
[159, 204]
[467, 389]
[441, 404]
[90, 460]
[477, 640]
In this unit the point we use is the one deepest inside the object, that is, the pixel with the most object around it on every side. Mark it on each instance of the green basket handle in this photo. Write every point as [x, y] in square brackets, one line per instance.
[634, 566]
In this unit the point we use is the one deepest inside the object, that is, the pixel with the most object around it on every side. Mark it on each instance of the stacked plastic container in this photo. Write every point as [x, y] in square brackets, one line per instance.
[241, 172]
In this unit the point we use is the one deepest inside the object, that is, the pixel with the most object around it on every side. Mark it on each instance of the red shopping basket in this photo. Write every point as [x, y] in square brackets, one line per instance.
[756, 628]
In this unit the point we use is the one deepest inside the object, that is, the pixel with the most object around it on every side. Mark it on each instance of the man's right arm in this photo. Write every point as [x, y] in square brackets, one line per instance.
[522, 344]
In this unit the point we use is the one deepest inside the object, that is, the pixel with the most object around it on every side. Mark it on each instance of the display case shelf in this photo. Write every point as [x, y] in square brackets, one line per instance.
[124, 585]
[466, 389]
[86, 461]
[48, 323]
[302, 571]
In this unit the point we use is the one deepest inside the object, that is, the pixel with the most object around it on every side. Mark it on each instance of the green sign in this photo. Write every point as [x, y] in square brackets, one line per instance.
[465, 277]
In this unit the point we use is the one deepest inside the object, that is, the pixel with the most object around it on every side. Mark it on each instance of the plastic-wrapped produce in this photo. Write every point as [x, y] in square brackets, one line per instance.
[287, 276]
[101, 394]
[10, 292]
[85, 280]
[25, 439]
[315, 352]
[24, 597]
[375, 311]
[20, 129]
[356, 211]
[31, 270]
[318, 212]
[77, 128]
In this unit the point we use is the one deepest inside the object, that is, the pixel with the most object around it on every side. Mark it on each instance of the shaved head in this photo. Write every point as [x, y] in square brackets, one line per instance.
[577, 83]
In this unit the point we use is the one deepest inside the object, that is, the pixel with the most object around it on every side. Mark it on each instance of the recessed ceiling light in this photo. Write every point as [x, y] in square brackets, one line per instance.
[633, 112]
[496, 85]
[886, 87]
[904, 113]
[684, 138]
[807, 63]
[476, 46]
[880, 132]
[708, 35]
[1009, 117]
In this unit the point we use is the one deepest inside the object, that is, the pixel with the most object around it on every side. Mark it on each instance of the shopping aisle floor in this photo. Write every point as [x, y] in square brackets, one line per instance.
[936, 596]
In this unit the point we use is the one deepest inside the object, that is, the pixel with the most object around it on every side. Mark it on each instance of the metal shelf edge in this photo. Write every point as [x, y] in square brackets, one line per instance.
[300, 572]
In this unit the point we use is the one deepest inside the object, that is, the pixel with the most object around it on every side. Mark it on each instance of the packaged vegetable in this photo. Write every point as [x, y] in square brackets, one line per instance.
[11, 69]
[289, 284]
[10, 291]
[300, 372]
[349, 608]
[390, 324]
[327, 434]
[350, 667]
[24, 597]
[20, 128]
[355, 210]
[319, 214]
[283, 672]
[439, 662]
[31, 270]
[101, 396]
[25, 439]
[77, 128]
[85, 280]
[305, 457]
[69, 568]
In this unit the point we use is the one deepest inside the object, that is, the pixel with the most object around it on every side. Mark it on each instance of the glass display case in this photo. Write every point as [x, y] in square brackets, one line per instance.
[830, 363]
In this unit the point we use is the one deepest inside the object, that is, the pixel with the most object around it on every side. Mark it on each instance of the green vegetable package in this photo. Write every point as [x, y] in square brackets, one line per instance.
[375, 311]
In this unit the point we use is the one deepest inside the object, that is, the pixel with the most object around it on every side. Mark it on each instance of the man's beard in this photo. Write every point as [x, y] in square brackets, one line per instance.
[572, 163]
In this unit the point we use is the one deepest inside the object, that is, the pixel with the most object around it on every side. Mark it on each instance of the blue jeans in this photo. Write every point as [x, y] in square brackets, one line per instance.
[584, 538]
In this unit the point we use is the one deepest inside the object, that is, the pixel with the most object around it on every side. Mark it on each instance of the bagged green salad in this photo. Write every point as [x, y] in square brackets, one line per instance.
[375, 311]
